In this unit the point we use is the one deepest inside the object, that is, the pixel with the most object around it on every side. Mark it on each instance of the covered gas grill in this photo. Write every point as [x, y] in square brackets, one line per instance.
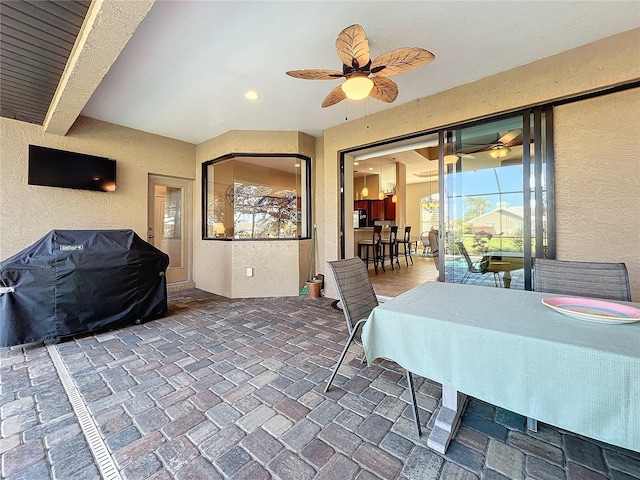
[78, 281]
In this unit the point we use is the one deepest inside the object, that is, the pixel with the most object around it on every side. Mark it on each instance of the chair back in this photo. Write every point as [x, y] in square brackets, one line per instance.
[434, 242]
[377, 234]
[481, 268]
[393, 234]
[424, 238]
[354, 289]
[605, 280]
[407, 234]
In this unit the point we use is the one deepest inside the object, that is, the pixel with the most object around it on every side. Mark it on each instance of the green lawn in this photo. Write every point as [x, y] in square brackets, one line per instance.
[496, 244]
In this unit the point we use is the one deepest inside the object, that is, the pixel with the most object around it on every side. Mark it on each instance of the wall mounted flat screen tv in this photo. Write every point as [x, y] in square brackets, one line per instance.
[57, 168]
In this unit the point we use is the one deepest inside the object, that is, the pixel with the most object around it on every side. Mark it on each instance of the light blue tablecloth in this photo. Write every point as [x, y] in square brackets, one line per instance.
[507, 348]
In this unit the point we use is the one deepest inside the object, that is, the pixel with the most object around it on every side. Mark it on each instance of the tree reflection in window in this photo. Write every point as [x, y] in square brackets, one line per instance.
[264, 212]
[256, 197]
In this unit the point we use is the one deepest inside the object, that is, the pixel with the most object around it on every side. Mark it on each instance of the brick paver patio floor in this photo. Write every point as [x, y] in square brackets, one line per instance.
[223, 388]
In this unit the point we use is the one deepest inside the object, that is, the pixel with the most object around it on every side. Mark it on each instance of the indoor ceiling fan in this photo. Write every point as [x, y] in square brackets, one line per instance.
[365, 77]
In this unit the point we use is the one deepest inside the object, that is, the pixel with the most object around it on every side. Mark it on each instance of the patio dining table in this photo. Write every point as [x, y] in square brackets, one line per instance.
[510, 261]
[507, 348]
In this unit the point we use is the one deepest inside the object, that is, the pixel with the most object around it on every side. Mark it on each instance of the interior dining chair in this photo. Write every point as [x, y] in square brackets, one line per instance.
[372, 249]
[406, 243]
[358, 299]
[424, 239]
[391, 244]
[609, 281]
[434, 244]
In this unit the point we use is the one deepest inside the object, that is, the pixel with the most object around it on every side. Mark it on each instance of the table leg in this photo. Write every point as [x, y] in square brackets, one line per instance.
[506, 279]
[447, 419]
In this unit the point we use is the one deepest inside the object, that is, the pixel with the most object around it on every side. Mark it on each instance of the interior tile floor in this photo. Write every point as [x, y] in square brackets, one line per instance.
[222, 388]
[393, 282]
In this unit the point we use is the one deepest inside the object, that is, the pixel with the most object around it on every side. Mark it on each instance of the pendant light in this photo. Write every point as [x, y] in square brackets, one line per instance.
[432, 204]
[365, 190]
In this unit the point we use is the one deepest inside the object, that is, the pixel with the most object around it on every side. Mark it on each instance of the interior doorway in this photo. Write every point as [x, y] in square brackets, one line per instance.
[169, 223]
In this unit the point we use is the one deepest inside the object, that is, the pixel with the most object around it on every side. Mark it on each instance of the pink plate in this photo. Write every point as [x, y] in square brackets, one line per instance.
[593, 310]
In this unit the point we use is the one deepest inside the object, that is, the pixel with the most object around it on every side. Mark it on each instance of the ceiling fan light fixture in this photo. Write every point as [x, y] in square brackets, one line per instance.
[499, 152]
[357, 87]
[449, 159]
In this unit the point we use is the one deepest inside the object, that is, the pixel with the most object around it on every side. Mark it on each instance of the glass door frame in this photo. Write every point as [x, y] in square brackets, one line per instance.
[541, 143]
[539, 122]
[183, 273]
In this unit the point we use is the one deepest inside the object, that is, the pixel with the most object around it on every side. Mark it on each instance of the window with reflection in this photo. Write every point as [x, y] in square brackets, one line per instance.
[495, 201]
[256, 197]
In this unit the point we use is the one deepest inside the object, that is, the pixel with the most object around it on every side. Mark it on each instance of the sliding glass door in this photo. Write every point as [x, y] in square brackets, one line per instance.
[494, 213]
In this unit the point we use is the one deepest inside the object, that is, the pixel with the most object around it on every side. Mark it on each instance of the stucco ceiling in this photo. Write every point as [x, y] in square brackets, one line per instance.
[187, 65]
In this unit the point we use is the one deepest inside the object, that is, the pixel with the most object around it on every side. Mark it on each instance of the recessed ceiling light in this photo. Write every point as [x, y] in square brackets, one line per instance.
[251, 95]
[370, 168]
[356, 163]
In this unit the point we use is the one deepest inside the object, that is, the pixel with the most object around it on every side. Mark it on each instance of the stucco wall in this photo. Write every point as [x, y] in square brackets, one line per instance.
[221, 266]
[27, 212]
[608, 62]
[597, 146]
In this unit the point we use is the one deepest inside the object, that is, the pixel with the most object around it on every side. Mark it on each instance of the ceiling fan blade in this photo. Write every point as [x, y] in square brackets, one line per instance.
[384, 89]
[426, 174]
[335, 96]
[353, 47]
[315, 74]
[400, 60]
[430, 153]
[510, 136]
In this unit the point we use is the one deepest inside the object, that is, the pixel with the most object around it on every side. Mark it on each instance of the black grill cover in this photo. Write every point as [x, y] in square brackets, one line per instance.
[77, 281]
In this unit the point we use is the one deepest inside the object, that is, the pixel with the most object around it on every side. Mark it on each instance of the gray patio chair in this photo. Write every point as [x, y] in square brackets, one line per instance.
[605, 280]
[480, 266]
[358, 300]
[609, 281]
[483, 266]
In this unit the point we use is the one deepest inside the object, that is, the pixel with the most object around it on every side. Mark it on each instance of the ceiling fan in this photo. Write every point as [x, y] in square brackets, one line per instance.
[365, 77]
[501, 147]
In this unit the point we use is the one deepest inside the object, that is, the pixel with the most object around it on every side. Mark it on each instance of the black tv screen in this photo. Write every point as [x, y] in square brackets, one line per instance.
[57, 168]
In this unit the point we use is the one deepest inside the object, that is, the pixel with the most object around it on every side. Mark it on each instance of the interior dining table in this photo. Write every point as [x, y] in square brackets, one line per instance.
[507, 348]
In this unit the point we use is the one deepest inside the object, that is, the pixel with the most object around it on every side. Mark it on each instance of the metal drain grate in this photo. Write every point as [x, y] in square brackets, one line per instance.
[99, 450]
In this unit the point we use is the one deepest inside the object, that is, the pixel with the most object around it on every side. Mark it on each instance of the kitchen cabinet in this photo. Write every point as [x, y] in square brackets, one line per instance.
[389, 208]
[361, 205]
[377, 210]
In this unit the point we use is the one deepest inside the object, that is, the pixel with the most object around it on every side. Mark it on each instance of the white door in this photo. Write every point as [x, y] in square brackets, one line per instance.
[170, 223]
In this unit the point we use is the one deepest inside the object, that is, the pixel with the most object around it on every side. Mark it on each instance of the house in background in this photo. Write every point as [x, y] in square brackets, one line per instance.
[594, 91]
[502, 220]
